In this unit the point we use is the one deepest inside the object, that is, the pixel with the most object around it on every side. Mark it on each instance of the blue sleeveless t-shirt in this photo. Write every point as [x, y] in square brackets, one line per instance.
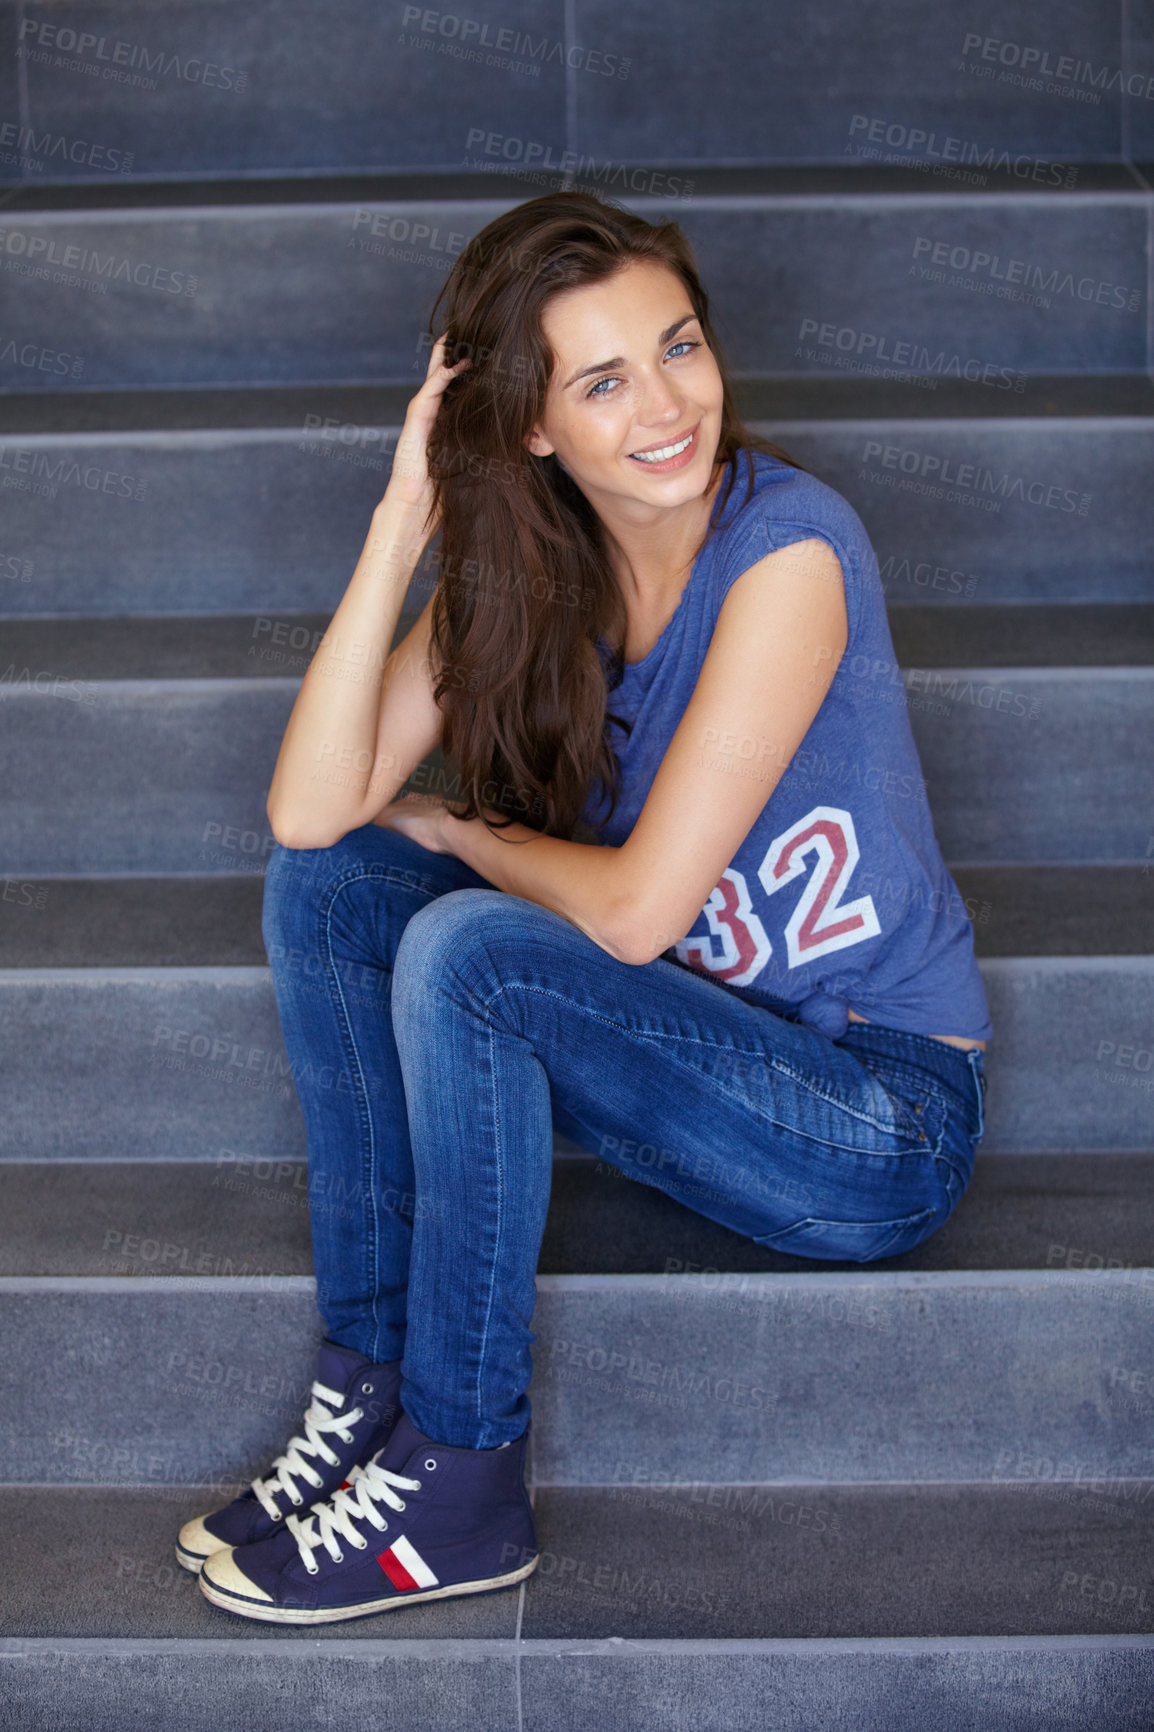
[839, 897]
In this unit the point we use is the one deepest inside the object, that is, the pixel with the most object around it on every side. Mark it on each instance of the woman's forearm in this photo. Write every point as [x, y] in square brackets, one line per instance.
[329, 776]
[582, 881]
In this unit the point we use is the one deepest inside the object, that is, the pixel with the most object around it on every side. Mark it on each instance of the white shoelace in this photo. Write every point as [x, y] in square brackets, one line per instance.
[291, 1465]
[367, 1486]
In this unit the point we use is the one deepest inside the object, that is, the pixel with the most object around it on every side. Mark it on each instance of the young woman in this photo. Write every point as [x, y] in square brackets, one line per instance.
[691, 896]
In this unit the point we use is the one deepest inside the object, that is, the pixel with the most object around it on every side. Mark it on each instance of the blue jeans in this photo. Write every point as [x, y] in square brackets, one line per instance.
[438, 1029]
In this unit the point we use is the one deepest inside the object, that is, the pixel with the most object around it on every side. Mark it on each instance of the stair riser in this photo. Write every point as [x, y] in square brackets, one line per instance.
[190, 522]
[1021, 765]
[183, 1064]
[1071, 1065]
[711, 1379]
[149, 1064]
[141, 776]
[189, 91]
[1017, 1685]
[993, 512]
[406, 86]
[336, 293]
[275, 520]
[200, 1687]
[1033, 764]
[883, 1686]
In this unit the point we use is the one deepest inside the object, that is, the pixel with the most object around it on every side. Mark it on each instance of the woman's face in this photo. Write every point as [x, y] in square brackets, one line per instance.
[633, 409]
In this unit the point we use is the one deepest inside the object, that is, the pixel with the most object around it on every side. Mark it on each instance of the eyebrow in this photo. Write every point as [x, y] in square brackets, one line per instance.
[619, 360]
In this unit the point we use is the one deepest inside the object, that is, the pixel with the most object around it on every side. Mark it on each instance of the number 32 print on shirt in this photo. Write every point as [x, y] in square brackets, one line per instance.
[737, 947]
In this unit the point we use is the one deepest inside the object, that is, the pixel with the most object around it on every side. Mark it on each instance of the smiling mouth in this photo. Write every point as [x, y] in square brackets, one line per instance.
[662, 453]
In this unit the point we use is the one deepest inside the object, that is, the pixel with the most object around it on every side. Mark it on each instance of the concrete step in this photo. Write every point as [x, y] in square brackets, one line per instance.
[85, 795]
[790, 397]
[400, 89]
[238, 1216]
[181, 1062]
[389, 1684]
[233, 517]
[864, 1562]
[241, 646]
[850, 175]
[904, 282]
[214, 920]
[992, 511]
[996, 793]
[1021, 764]
[727, 1378]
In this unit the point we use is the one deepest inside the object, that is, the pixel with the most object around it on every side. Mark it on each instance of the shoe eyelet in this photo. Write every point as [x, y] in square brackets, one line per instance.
[361, 1544]
[340, 1558]
[401, 1505]
[430, 1464]
[416, 1485]
[366, 1389]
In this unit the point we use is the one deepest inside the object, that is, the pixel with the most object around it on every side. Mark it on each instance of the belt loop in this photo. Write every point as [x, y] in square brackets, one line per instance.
[974, 1060]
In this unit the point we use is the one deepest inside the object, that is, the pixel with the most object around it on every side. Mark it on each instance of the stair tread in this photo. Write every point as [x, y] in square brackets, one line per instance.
[1075, 634]
[241, 1217]
[214, 920]
[684, 1562]
[774, 398]
[280, 643]
[423, 185]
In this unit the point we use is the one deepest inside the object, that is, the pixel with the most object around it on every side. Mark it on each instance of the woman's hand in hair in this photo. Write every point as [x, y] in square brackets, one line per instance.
[421, 817]
[409, 484]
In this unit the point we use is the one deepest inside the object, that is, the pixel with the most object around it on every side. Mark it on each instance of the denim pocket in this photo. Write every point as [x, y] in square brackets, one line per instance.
[976, 1061]
[850, 1241]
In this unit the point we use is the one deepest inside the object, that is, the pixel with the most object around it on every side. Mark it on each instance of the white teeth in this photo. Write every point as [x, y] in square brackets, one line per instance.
[664, 454]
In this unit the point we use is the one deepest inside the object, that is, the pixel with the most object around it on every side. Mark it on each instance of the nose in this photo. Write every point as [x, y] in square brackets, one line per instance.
[657, 402]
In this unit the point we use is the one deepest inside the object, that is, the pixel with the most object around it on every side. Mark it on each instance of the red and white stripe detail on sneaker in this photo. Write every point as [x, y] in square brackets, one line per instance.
[405, 1567]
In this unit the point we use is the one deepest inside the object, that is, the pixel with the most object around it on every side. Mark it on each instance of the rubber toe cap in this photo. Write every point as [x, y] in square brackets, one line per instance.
[195, 1541]
[221, 1571]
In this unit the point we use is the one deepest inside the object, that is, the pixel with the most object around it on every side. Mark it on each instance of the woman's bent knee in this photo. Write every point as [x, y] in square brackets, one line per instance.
[297, 879]
[441, 937]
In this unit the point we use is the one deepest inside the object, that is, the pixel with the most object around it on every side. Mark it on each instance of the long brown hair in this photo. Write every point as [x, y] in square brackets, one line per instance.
[525, 590]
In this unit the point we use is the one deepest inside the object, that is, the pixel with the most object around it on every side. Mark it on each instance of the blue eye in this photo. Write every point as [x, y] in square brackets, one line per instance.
[681, 343]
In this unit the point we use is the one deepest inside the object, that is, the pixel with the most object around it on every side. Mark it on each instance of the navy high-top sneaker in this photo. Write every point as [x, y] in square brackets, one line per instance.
[355, 1405]
[421, 1521]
